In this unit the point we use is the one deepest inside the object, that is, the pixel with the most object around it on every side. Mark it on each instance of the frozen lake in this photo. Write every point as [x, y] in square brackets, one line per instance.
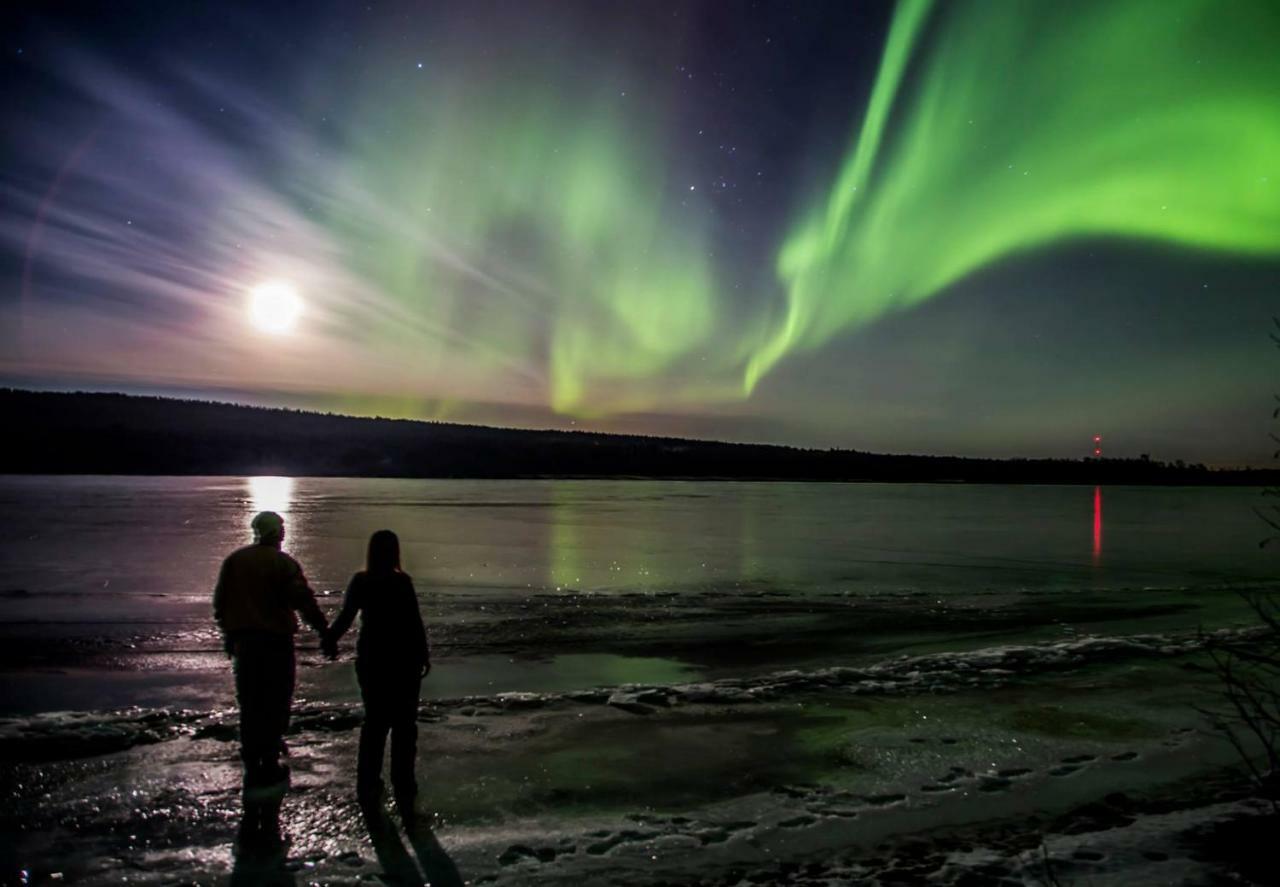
[639, 680]
[536, 585]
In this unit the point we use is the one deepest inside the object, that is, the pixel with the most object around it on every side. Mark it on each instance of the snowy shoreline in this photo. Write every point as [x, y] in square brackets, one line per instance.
[56, 735]
[943, 767]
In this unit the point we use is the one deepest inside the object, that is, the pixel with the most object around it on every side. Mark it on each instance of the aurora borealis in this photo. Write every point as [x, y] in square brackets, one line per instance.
[1167, 129]
[946, 227]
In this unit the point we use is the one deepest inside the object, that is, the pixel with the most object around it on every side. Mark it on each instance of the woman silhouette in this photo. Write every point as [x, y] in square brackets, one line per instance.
[392, 658]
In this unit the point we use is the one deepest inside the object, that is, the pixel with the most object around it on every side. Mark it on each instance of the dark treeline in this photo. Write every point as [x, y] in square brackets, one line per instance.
[78, 433]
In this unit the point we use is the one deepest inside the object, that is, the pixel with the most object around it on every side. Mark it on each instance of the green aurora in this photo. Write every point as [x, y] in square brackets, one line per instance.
[532, 219]
[667, 219]
[1143, 119]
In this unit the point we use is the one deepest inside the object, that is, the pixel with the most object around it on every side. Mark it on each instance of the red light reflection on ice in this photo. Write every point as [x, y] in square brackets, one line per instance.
[1097, 524]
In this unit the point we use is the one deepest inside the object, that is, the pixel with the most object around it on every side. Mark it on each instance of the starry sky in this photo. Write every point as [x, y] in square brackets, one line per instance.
[972, 227]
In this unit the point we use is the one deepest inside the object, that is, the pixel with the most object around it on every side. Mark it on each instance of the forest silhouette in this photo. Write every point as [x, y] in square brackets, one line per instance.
[90, 433]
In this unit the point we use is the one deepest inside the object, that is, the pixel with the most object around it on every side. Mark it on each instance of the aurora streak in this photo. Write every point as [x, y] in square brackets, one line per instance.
[1178, 142]
[657, 218]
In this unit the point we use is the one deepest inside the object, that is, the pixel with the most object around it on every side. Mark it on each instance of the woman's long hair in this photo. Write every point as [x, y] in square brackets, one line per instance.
[384, 553]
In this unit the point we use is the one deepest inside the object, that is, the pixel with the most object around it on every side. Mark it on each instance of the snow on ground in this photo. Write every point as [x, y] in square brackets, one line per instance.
[939, 768]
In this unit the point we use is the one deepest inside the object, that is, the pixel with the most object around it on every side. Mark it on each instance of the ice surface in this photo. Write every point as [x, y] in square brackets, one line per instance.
[696, 683]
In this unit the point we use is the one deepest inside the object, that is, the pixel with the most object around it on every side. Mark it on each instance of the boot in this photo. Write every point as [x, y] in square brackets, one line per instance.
[406, 794]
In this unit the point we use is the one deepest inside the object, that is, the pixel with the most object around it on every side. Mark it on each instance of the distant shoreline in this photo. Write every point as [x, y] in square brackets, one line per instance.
[127, 435]
[1233, 484]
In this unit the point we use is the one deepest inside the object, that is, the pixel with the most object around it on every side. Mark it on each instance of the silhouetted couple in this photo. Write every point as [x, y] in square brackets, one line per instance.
[259, 590]
[392, 658]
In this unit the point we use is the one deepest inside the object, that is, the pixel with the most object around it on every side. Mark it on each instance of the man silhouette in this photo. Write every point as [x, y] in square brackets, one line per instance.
[258, 590]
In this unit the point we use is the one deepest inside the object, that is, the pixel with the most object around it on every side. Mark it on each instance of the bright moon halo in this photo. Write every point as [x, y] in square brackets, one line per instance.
[274, 306]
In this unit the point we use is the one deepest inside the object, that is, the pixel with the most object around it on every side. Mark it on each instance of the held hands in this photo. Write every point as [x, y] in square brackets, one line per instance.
[329, 646]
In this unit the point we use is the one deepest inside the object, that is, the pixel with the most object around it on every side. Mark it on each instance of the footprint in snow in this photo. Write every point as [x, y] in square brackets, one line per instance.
[797, 822]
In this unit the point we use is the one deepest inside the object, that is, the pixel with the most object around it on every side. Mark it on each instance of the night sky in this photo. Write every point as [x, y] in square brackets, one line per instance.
[982, 228]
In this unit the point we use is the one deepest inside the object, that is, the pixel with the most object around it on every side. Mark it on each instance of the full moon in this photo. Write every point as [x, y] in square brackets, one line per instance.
[274, 306]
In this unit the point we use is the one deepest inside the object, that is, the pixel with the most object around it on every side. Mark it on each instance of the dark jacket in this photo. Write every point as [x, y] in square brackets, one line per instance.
[259, 588]
[391, 629]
